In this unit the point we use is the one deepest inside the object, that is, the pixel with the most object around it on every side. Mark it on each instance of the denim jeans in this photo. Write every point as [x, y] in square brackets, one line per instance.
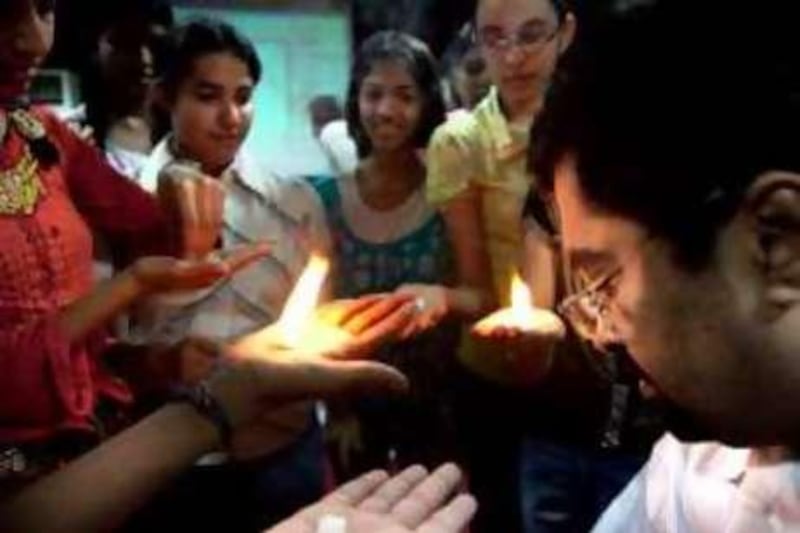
[566, 488]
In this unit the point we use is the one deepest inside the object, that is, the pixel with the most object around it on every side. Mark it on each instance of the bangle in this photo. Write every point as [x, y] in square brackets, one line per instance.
[206, 404]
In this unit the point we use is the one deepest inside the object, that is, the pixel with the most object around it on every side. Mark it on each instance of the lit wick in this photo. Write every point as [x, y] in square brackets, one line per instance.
[522, 315]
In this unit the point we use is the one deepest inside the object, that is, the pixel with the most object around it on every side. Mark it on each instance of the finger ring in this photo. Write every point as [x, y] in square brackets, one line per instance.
[331, 523]
[420, 305]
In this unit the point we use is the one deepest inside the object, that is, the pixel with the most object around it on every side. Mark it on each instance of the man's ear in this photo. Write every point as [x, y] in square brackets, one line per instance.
[568, 28]
[772, 208]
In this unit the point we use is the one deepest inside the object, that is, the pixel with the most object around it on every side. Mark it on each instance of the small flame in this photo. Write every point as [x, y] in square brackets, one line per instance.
[521, 301]
[303, 300]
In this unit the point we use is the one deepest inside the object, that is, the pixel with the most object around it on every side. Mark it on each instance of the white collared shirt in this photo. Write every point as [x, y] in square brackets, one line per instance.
[707, 488]
[259, 206]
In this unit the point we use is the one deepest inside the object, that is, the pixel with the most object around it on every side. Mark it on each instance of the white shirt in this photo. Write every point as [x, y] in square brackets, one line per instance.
[707, 488]
[259, 206]
[338, 147]
[126, 162]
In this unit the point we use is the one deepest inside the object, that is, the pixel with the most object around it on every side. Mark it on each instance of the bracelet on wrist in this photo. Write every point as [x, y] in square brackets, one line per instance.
[206, 404]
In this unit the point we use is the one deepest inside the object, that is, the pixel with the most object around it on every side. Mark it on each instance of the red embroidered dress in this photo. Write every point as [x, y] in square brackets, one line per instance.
[47, 384]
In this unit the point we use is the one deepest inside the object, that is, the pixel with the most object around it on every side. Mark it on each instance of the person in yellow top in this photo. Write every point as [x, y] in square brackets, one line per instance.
[477, 177]
[477, 172]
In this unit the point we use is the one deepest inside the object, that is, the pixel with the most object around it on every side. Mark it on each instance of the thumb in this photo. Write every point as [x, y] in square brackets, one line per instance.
[239, 257]
[199, 268]
[367, 377]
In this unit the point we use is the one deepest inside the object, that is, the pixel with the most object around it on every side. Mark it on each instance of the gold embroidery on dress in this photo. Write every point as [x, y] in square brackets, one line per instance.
[27, 125]
[20, 186]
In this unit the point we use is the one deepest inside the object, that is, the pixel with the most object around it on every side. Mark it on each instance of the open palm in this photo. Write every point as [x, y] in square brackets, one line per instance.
[412, 501]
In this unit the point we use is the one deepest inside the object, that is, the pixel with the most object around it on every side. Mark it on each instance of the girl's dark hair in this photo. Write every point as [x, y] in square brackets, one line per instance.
[399, 47]
[203, 37]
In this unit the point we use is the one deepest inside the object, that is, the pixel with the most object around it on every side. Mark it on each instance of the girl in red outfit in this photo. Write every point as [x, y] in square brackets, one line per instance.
[54, 191]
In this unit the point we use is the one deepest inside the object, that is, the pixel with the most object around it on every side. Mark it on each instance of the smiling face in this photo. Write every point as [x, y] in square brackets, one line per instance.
[212, 110]
[390, 106]
[26, 36]
[700, 337]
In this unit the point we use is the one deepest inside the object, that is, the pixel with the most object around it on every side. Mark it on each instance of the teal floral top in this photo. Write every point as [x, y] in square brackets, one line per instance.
[363, 267]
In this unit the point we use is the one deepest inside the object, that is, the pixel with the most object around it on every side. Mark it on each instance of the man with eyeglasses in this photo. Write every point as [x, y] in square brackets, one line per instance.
[669, 166]
[557, 449]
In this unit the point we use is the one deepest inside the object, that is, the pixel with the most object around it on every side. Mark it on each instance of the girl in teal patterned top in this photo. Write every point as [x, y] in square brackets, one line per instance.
[386, 238]
[365, 266]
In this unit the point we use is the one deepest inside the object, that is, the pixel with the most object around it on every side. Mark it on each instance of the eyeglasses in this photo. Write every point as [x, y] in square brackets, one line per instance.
[588, 309]
[529, 39]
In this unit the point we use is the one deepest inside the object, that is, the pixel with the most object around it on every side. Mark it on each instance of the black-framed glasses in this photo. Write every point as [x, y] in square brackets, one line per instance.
[588, 308]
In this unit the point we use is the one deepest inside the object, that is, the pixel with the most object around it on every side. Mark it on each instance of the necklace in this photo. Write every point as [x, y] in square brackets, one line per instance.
[21, 188]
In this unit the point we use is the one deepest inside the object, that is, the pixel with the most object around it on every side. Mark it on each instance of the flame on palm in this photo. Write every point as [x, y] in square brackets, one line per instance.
[298, 313]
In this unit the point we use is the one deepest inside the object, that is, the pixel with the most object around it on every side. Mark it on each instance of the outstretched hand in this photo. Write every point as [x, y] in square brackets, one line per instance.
[342, 329]
[412, 501]
[163, 274]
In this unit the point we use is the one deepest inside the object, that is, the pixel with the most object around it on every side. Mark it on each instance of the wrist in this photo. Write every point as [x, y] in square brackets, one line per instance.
[130, 284]
[449, 299]
[233, 387]
[205, 403]
[467, 302]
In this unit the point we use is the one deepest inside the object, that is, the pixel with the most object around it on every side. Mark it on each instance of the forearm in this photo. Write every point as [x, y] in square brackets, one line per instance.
[98, 491]
[473, 295]
[106, 301]
[468, 303]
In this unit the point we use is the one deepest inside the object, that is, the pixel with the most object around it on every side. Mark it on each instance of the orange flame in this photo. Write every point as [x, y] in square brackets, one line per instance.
[299, 309]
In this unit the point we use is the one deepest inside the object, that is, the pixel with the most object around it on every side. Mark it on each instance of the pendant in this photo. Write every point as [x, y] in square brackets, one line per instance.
[21, 187]
[27, 125]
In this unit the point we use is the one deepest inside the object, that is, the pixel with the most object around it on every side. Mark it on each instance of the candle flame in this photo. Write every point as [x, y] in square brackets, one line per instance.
[303, 300]
[521, 301]
[522, 315]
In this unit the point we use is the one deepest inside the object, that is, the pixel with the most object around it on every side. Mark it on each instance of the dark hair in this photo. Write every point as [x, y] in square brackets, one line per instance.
[417, 58]
[561, 7]
[325, 108]
[669, 126]
[199, 38]
[462, 43]
[140, 13]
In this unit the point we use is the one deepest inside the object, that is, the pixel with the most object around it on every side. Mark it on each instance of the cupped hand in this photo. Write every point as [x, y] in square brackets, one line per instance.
[431, 306]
